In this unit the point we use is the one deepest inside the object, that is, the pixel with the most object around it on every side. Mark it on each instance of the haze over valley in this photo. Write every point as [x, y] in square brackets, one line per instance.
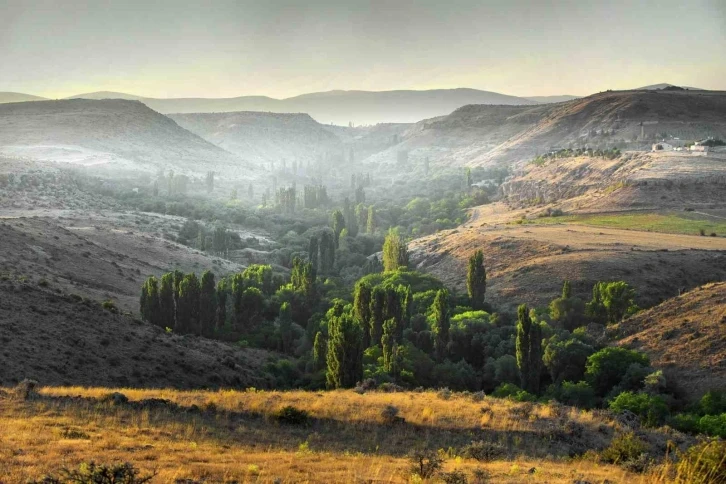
[363, 242]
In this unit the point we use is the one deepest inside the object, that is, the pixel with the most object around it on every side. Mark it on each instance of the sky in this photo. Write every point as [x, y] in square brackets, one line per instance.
[277, 48]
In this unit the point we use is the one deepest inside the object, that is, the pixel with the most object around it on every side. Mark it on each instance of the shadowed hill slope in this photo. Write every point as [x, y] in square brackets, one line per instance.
[685, 336]
[113, 134]
[60, 339]
[263, 137]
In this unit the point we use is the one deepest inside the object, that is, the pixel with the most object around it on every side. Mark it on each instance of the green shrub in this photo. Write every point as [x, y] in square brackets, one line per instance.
[704, 463]
[606, 368]
[109, 305]
[651, 409]
[685, 422]
[624, 448]
[714, 425]
[713, 403]
[578, 394]
[483, 451]
[291, 416]
[512, 391]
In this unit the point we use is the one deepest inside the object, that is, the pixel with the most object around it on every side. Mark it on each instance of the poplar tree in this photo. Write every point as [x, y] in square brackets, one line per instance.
[320, 347]
[345, 352]
[313, 253]
[327, 251]
[529, 350]
[166, 301]
[337, 223]
[395, 252]
[285, 322]
[371, 220]
[222, 289]
[440, 309]
[149, 302]
[377, 314]
[207, 305]
[476, 280]
[188, 305]
[362, 309]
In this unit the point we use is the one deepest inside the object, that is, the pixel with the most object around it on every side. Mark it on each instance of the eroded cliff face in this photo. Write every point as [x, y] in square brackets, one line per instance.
[634, 180]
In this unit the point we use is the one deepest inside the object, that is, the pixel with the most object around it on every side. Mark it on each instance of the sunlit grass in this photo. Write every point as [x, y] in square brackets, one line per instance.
[649, 222]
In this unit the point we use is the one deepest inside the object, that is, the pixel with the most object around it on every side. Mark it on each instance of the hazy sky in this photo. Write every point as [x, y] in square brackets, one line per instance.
[219, 48]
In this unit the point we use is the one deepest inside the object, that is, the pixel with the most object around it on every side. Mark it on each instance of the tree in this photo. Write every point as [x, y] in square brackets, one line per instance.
[469, 180]
[208, 305]
[284, 320]
[320, 347]
[388, 340]
[476, 280]
[345, 352]
[362, 309]
[188, 305]
[314, 253]
[611, 302]
[371, 220]
[209, 182]
[606, 368]
[337, 223]
[302, 277]
[529, 350]
[567, 310]
[327, 251]
[440, 309]
[565, 360]
[377, 314]
[149, 304]
[222, 289]
[395, 252]
[166, 301]
[251, 305]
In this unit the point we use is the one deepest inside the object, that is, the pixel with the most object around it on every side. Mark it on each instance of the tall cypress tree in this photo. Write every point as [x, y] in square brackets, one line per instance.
[476, 280]
[362, 309]
[345, 352]
[371, 220]
[166, 301]
[320, 347]
[327, 251]
[529, 350]
[441, 323]
[149, 303]
[207, 305]
[388, 341]
[395, 252]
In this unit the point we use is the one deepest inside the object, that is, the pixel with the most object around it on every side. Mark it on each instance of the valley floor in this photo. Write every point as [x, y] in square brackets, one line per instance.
[230, 436]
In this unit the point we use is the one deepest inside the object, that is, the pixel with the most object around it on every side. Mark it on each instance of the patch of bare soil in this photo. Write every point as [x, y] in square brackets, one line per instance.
[686, 336]
[528, 263]
[61, 339]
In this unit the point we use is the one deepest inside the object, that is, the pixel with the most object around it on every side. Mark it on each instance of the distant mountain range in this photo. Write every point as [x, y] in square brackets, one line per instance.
[331, 107]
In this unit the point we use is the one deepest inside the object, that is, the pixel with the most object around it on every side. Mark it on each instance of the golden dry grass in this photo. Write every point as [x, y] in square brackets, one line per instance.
[233, 438]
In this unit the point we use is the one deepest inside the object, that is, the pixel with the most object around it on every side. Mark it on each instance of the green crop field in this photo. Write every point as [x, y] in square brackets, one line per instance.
[691, 224]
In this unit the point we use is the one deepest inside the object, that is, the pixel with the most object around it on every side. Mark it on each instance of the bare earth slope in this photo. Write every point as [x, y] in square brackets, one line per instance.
[527, 263]
[58, 339]
[114, 134]
[485, 135]
[686, 336]
[262, 137]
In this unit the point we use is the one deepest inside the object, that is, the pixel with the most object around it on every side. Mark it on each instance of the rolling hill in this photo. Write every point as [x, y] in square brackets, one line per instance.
[115, 135]
[685, 337]
[263, 137]
[337, 107]
[18, 97]
[482, 135]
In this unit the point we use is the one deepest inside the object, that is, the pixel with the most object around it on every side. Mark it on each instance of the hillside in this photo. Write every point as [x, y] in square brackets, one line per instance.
[263, 137]
[61, 339]
[18, 97]
[337, 107]
[490, 135]
[684, 336]
[114, 135]
[526, 263]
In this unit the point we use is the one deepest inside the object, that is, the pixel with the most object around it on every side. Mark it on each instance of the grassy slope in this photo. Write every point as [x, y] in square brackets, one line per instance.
[670, 223]
[233, 437]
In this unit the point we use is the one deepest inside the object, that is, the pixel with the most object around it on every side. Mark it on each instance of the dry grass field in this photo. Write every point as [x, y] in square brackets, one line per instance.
[233, 436]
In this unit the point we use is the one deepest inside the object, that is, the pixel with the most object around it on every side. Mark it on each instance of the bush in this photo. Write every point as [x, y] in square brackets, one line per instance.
[291, 416]
[390, 414]
[425, 464]
[92, 473]
[454, 477]
[652, 410]
[704, 463]
[109, 305]
[714, 425]
[512, 391]
[483, 451]
[624, 448]
[606, 368]
[577, 394]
